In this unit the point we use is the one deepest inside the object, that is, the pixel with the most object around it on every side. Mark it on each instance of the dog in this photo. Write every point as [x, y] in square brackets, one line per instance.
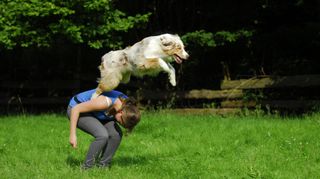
[150, 56]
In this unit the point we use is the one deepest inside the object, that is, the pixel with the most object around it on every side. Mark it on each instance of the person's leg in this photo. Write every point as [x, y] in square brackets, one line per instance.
[94, 127]
[115, 135]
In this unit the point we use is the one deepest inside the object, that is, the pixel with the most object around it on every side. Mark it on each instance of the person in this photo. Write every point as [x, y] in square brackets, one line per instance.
[100, 117]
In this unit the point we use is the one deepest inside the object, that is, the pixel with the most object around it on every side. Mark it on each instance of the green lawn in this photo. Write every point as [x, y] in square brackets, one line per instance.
[166, 145]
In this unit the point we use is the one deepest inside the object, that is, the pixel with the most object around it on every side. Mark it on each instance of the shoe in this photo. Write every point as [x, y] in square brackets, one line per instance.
[86, 167]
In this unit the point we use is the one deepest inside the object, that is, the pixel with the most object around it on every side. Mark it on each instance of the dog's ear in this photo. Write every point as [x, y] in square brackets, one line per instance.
[167, 43]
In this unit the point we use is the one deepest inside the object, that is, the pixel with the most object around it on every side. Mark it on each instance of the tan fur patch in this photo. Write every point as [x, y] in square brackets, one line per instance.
[99, 89]
[150, 64]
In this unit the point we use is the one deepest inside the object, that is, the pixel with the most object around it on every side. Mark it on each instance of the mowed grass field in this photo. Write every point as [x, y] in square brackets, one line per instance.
[167, 145]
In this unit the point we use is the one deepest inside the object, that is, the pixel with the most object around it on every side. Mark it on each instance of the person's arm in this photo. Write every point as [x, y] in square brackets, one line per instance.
[97, 104]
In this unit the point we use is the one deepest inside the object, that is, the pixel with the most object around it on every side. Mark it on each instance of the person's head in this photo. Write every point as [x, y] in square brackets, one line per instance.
[129, 115]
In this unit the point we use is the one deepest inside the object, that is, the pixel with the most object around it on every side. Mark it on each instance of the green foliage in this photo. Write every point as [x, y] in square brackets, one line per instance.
[253, 95]
[202, 38]
[220, 38]
[225, 36]
[39, 23]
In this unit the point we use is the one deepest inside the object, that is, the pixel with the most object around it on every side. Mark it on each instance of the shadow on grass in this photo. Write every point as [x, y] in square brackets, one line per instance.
[120, 161]
[73, 162]
[133, 160]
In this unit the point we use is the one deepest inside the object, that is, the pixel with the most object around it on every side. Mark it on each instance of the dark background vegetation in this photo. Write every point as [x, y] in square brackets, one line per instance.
[41, 41]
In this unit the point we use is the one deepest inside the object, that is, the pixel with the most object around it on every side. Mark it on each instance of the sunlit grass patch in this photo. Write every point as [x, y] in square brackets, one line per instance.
[167, 145]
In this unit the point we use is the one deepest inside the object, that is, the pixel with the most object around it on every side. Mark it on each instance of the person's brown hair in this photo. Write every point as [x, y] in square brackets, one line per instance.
[131, 113]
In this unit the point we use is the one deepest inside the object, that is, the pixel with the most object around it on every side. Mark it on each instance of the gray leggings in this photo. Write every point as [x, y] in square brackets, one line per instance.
[107, 138]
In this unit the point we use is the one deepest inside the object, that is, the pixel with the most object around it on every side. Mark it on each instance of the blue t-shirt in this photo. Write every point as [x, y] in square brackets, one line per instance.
[86, 96]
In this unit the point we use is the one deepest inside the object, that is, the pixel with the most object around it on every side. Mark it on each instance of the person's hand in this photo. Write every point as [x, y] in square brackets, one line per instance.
[73, 141]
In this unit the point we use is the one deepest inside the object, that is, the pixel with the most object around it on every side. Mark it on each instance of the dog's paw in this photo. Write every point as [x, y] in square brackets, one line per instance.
[173, 82]
[95, 95]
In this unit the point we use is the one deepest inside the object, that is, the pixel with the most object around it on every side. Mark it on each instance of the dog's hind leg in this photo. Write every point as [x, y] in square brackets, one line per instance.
[102, 87]
[170, 70]
[105, 84]
[98, 92]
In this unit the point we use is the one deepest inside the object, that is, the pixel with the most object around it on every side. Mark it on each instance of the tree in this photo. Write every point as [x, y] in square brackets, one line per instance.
[40, 22]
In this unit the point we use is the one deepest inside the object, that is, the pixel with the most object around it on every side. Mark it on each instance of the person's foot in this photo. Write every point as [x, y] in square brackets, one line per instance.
[86, 167]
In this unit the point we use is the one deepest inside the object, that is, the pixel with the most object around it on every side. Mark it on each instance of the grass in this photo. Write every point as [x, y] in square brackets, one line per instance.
[166, 145]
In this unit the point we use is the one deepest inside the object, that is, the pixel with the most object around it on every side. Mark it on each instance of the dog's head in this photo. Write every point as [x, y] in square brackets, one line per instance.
[166, 45]
[173, 46]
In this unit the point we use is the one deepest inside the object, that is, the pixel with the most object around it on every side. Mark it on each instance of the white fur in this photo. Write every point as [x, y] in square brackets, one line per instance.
[148, 57]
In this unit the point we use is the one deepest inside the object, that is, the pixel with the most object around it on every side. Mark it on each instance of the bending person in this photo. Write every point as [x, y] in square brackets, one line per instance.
[100, 117]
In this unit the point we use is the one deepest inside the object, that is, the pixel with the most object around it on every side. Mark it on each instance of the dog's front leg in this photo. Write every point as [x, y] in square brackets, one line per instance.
[170, 70]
